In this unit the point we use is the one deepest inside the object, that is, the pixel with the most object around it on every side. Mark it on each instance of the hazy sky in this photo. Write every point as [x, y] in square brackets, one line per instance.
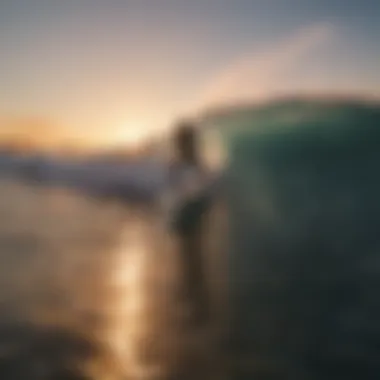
[104, 65]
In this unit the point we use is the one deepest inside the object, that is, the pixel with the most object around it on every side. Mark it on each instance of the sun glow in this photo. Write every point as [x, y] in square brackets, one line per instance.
[131, 135]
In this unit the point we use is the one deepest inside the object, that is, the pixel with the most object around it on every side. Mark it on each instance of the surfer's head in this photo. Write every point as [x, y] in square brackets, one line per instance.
[185, 142]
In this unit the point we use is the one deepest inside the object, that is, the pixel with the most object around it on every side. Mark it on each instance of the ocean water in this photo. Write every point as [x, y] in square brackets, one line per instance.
[304, 256]
[98, 288]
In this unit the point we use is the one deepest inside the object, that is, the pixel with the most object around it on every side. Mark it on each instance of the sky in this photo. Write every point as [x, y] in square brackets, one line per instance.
[112, 70]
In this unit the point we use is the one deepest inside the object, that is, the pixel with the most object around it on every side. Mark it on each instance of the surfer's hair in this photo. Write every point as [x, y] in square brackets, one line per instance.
[185, 141]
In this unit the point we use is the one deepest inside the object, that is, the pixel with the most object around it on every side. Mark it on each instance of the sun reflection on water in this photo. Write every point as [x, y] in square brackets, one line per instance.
[129, 284]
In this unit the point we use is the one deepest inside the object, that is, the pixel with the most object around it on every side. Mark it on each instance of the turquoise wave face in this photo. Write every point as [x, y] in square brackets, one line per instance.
[304, 185]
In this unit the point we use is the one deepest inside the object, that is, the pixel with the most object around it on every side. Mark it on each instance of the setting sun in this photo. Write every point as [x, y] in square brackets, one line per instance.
[131, 135]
